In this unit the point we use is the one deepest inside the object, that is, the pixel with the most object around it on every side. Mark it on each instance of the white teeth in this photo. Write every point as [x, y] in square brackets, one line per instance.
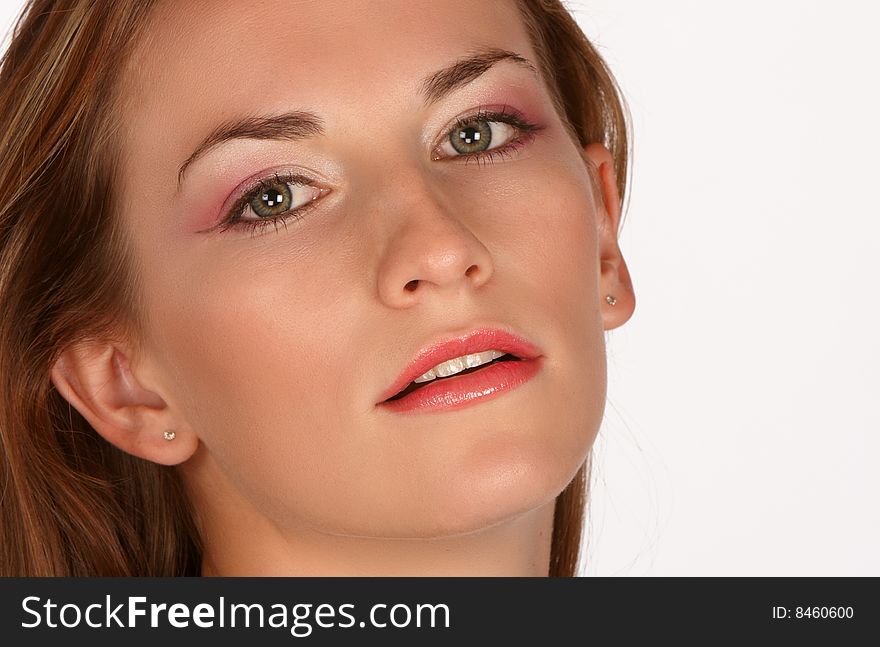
[453, 366]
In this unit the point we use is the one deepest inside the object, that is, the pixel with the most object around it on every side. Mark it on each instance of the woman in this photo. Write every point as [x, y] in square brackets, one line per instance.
[304, 288]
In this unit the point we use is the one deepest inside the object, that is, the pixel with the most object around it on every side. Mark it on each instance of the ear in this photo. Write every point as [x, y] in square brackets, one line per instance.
[126, 409]
[614, 277]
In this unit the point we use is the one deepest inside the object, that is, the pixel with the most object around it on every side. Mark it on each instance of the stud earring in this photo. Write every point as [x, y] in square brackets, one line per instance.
[169, 435]
[611, 300]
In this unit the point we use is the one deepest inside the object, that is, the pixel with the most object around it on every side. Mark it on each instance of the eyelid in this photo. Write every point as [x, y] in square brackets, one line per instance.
[236, 200]
[514, 117]
[243, 190]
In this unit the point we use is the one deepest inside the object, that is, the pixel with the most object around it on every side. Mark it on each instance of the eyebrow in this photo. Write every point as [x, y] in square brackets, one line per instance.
[296, 125]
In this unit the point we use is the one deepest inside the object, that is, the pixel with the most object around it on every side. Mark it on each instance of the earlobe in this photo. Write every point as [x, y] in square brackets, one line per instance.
[97, 380]
[617, 298]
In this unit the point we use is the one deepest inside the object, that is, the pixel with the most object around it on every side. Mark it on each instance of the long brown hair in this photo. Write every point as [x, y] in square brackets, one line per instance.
[71, 503]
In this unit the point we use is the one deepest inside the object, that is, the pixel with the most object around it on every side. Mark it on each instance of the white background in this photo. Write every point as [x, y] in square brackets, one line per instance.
[741, 432]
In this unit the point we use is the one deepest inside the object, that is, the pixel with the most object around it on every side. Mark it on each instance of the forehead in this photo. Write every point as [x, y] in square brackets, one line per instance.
[245, 53]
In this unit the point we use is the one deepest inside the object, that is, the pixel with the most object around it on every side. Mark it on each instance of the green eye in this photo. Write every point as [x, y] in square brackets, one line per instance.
[271, 200]
[472, 137]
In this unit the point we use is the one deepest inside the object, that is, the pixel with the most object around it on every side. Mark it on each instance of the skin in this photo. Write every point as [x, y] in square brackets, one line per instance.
[266, 354]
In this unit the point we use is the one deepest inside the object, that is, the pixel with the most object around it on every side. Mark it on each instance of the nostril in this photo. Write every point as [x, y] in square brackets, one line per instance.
[471, 270]
[411, 285]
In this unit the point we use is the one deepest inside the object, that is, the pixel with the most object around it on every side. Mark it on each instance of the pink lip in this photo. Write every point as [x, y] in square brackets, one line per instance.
[460, 390]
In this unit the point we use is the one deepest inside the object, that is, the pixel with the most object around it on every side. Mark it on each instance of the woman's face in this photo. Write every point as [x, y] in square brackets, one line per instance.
[274, 345]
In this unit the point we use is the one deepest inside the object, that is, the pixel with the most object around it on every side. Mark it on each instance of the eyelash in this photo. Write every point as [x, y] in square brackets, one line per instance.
[525, 133]
[233, 221]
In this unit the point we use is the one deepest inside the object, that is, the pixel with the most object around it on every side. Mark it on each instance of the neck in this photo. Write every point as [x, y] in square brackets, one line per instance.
[517, 547]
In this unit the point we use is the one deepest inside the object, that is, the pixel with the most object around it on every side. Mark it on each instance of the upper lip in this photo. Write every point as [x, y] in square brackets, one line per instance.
[476, 341]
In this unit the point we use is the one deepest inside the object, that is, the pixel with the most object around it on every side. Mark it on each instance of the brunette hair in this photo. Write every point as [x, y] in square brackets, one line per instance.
[72, 504]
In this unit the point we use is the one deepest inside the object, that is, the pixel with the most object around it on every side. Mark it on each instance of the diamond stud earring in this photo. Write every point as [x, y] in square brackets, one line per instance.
[169, 435]
[611, 300]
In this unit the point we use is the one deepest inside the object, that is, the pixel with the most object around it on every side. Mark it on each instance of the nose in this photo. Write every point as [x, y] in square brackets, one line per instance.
[430, 251]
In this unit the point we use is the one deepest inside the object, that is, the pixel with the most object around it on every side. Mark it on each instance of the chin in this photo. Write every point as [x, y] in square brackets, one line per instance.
[484, 500]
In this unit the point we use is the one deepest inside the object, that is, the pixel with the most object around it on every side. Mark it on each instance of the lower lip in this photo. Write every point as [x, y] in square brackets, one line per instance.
[457, 392]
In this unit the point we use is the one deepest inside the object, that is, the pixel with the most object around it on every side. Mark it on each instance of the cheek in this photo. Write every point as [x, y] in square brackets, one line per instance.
[250, 342]
[544, 231]
[260, 364]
